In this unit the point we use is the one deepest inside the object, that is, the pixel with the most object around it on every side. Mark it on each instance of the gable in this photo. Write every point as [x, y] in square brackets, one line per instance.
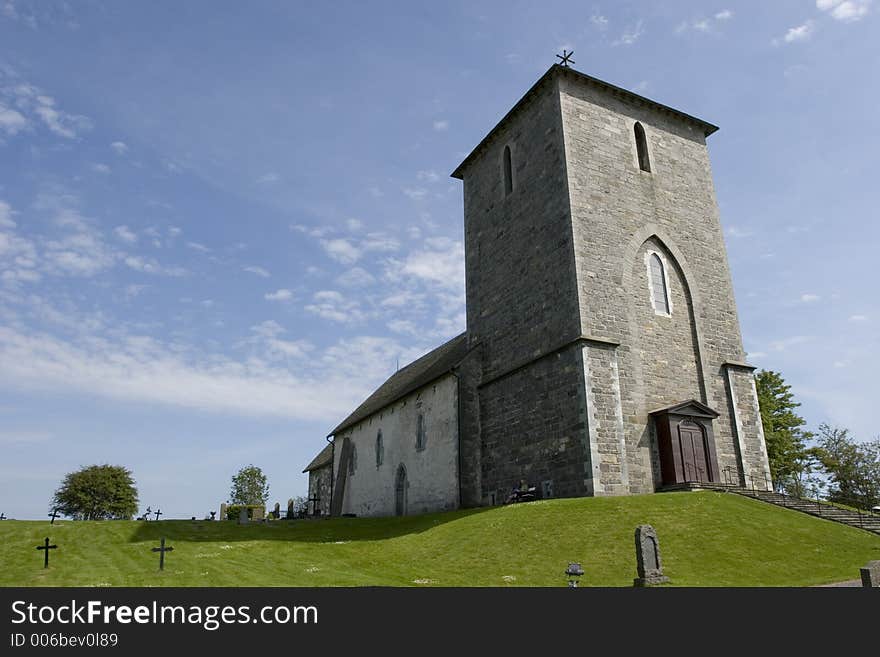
[690, 407]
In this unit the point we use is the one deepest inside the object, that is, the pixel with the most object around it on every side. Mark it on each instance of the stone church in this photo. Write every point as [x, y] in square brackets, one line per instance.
[602, 354]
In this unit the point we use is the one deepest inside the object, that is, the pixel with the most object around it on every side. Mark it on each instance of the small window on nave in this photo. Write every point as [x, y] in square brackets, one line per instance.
[353, 460]
[380, 449]
[658, 283]
[420, 432]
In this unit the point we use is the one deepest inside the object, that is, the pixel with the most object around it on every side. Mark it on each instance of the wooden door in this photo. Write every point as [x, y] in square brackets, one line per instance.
[694, 452]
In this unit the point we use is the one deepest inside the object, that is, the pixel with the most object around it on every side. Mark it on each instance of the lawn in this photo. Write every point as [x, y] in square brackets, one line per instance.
[706, 539]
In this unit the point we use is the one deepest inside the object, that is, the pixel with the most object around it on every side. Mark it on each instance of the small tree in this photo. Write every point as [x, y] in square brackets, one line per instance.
[854, 467]
[790, 461]
[249, 486]
[97, 492]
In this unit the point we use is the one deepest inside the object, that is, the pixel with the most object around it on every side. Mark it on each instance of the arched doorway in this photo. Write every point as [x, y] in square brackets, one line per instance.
[694, 451]
[686, 443]
[400, 486]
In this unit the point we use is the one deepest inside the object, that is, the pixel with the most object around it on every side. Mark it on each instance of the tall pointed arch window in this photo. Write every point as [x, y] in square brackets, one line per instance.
[507, 167]
[659, 284]
[420, 433]
[642, 148]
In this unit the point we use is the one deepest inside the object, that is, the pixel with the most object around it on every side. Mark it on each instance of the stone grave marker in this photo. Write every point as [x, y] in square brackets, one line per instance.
[871, 574]
[290, 509]
[242, 516]
[222, 511]
[277, 512]
[259, 513]
[648, 563]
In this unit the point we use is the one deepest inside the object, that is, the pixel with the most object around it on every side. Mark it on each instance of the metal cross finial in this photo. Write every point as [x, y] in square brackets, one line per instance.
[566, 57]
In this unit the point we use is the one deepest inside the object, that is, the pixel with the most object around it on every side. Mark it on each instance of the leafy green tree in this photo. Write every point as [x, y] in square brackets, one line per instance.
[790, 460]
[853, 467]
[97, 492]
[249, 486]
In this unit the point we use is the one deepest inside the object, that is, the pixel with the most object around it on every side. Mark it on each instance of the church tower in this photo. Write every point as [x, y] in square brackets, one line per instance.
[604, 349]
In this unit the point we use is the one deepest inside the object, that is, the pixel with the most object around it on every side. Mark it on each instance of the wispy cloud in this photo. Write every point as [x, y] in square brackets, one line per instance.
[802, 32]
[858, 318]
[810, 298]
[259, 271]
[279, 295]
[630, 35]
[847, 11]
[125, 234]
[268, 178]
[441, 124]
[599, 21]
[119, 147]
[334, 306]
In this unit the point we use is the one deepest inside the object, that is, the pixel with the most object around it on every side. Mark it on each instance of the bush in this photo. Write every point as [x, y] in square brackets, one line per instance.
[233, 509]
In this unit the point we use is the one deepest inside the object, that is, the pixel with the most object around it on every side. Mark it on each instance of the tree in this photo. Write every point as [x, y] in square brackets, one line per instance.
[790, 460]
[853, 467]
[249, 486]
[97, 492]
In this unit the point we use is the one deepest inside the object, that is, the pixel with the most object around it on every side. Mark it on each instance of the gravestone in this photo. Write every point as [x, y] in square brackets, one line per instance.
[242, 516]
[53, 515]
[277, 512]
[259, 513]
[871, 574]
[290, 508]
[648, 562]
[46, 547]
[162, 550]
[222, 511]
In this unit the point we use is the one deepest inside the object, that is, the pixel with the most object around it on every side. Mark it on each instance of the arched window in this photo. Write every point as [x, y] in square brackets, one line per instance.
[380, 449]
[508, 171]
[642, 148]
[353, 460]
[659, 286]
[420, 432]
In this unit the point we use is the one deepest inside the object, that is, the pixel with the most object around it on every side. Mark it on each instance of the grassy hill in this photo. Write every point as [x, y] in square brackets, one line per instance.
[706, 539]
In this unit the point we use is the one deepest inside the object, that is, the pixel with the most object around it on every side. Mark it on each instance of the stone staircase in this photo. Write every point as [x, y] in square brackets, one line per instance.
[862, 520]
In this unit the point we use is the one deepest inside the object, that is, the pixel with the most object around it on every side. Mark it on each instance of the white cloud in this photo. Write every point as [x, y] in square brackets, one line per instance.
[416, 194]
[268, 178]
[151, 266]
[63, 124]
[333, 306]
[441, 125]
[101, 168]
[785, 343]
[125, 234]
[11, 121]
[428, 176]
[599, 21]
[858, 318]
[735, 231]
[379, 242]
[196, 246]
[6, 215]
[440, 262]
[800, 33]
[846, 11]
[279, 295]
[810, 298]
[630, 35]
[403, 326]
[341, 250]
[119, 147]
[724, 15]
[354, 225]
[356, 277]
[81, 251]
[259, 271]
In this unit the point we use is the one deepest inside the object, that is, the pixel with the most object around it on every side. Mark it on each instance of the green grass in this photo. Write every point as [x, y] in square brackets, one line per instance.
[706, 539]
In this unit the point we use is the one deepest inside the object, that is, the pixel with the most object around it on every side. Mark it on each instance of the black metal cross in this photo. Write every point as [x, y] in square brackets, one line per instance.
[2, 516]
[566, 57]
[46, 547]
[162, 550]
[314, 500]
[158, 513]
[53, 515]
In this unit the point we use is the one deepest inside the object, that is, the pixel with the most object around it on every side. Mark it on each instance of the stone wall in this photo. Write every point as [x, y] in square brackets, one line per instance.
[320, 486]
[432, 472]
[533, 428]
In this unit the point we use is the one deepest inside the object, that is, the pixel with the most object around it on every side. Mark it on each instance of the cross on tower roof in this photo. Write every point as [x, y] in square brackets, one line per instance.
[46, 547]
[566, 57]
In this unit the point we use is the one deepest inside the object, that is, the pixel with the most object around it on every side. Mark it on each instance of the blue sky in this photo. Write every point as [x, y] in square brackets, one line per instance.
[222, 224]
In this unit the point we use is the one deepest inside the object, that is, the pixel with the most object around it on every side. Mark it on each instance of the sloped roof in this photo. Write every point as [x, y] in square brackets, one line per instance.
[429, 367]
[557, 69]
[688, 407]
[325, 457]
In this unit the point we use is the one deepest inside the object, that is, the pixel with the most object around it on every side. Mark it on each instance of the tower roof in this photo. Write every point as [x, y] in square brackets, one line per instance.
[555, 70]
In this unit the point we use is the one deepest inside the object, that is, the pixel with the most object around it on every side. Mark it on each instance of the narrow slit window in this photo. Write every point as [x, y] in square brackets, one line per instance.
[508, 171]
[380, 449]
[642, 148]
[353, 460]
[659, 288]
[420, 432]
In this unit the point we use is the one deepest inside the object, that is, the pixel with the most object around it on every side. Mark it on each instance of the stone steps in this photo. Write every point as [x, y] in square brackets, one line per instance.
[868, 522]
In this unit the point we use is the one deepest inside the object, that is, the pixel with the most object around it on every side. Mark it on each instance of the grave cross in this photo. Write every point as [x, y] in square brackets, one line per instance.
[162, 550]
[53, 515]
[566, 57]
[158, 513]
[2, 516]
[46, 547]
